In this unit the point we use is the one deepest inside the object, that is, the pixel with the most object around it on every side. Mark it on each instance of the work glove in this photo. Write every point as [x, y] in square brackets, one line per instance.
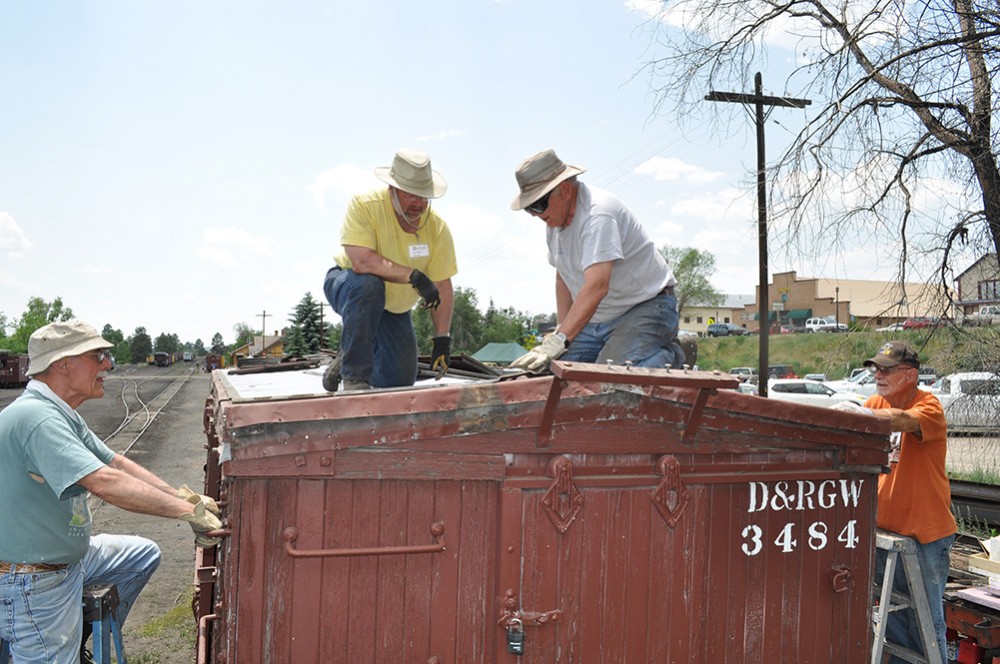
[202, 521]
[185, 493]
[553, 345]
[852, 407]
[441, 355]
[428, 291]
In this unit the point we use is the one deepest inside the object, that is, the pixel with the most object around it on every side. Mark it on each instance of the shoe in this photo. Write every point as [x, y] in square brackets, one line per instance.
[331, 377]
[354, 385]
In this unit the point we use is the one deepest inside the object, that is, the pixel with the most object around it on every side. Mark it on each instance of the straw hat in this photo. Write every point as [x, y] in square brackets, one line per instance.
[55, 341]
[411, 171]
[538, 175]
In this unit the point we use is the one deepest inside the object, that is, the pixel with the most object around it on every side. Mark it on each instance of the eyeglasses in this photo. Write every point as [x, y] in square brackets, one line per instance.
[541, 205]
[885, 371]
[102, 355]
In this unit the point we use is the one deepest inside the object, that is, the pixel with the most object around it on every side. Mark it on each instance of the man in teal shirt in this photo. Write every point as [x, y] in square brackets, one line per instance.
[50, 461]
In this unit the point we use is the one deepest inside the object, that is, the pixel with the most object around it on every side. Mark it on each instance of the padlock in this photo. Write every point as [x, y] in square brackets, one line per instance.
[515, 636]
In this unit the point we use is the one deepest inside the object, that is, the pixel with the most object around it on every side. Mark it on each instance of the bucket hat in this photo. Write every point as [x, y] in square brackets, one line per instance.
[411, 171]
[55, 341]
[894, 353]
[538, 175]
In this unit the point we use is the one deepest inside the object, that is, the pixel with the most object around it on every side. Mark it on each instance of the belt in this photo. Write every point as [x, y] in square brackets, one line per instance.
[667, 290]
[28, 568]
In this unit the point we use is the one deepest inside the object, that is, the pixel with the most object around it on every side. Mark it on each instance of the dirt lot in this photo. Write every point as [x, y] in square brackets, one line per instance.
[160, 629]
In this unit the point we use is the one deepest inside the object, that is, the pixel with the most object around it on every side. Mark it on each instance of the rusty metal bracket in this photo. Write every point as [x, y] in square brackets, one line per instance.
[840, 577]
[670, 496]
[511, 613]
[291, 535]
[563, 500]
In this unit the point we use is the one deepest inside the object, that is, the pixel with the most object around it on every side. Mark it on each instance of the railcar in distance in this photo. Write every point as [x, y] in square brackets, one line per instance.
[13, 369]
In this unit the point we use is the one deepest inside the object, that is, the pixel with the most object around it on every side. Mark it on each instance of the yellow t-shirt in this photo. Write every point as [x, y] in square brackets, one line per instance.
[371, 222]
[914, 499]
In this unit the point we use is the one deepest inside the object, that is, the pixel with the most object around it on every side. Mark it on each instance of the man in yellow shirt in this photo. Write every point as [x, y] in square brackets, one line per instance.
[395, 251]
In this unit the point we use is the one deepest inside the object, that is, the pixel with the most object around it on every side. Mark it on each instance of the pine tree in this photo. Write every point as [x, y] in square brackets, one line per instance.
[306, 334]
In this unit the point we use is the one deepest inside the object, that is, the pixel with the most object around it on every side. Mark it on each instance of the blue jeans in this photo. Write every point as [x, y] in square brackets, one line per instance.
[934, 558]
[376, 346]
[41, 614]
[646, 335]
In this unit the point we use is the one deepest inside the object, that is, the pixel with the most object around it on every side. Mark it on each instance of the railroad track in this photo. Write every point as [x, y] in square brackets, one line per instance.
[977, 503]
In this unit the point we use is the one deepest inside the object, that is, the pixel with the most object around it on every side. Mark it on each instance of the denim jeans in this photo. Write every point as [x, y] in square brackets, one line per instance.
[376, 346]
[41, 613]
[646, 335]
[902, 628]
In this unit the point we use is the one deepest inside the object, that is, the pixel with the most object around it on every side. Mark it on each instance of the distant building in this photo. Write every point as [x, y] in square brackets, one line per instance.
[263, 346]
[697, 317]
[498, 353]
[978, 285]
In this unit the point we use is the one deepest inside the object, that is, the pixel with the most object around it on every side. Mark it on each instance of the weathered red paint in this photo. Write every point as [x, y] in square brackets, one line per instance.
[636, 516]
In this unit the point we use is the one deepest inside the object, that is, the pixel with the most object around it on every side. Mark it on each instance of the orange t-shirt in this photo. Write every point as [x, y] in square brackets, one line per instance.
[914, 499]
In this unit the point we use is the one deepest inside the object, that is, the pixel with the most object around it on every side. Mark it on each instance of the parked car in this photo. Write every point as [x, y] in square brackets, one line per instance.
[926, 375]
[971, 401]
[815, 393]
[919, 322]
[820, 325]
[987, 314]
[725, 330]
[790, 329]
[745, 374]
[862, 383]
[780, 371]
[892, 327]
[821, 377]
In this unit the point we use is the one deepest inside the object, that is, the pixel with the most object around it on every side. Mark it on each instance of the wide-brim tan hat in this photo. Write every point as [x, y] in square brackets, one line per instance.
[538, 175]
[411, 171]
[55, 341]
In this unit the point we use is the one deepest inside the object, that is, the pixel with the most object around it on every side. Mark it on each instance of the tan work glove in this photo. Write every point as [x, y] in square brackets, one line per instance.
[185, 493]
[553, 345]
[202, 521]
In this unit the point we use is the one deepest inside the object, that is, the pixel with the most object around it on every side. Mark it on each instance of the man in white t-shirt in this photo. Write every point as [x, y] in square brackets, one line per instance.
[614, 291]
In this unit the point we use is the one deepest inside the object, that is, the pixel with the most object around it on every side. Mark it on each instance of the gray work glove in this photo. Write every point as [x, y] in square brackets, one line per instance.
[185, 493]
[852, 407]
[428, 291]
[553, 345]
[202, 521]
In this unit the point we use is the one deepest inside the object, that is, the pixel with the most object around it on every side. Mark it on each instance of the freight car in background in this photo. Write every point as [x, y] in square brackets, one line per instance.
[610, 514]
[162, 359]
[13, 369]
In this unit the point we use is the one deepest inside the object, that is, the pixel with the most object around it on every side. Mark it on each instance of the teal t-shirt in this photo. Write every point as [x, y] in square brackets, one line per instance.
[43, 453]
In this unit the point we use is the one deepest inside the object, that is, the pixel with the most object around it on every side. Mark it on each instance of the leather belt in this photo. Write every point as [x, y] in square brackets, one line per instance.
[29, 568]
[667, 290]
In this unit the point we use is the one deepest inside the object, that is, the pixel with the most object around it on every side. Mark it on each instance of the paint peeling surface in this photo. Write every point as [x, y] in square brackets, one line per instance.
[604, 514]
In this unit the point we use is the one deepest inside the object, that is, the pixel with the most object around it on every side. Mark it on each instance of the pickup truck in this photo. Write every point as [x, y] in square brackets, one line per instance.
[971, 401]
[987, 314]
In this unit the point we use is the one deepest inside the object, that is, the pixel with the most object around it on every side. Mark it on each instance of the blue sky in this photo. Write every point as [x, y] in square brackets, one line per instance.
[185, 166]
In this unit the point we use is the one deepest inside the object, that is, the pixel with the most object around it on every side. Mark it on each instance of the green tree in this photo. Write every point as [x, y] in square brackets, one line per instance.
[38, 314]
[466, 325]
[505, 326]
[166, 343]
[141, 345]
[333, 335]
[199, 347]
[306, 334]
[244, 334]
[120, 350]
[692, 269]
[218, 345]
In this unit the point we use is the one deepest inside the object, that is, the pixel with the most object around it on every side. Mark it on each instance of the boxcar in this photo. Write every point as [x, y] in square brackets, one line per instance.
[162, 359]
[13, 369]
[600, 514]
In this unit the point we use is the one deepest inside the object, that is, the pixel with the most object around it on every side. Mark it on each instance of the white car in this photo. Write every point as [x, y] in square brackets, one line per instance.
[971, 401]
[863, 384]
[814, 393]
[892, 327]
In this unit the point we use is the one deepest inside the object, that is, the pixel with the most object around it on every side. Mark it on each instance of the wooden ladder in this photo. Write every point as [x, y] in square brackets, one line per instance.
[903, 549]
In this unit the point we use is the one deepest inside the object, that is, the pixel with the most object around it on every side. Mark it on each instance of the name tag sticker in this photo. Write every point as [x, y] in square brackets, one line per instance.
[419, 251]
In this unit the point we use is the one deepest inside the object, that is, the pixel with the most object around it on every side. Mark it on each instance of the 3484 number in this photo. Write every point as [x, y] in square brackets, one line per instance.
[817, 537]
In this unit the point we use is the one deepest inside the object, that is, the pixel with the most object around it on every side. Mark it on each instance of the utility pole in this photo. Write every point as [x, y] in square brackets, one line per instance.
[263, 331]
[759, 100]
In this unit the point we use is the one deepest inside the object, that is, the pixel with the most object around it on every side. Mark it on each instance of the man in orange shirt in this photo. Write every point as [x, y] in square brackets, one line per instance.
[914, 498]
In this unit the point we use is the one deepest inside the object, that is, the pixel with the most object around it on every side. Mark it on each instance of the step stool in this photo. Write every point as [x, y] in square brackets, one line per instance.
[99, 604]
[903, 549]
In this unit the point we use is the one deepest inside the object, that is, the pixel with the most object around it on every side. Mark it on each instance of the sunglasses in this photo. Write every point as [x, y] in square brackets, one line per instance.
[885, 371]
[102, 355]
[541, 205]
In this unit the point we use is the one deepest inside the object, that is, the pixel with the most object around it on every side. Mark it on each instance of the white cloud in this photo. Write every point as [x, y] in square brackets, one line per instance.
[231, 247]
[332, 187]
[13, 241]
[671, 169]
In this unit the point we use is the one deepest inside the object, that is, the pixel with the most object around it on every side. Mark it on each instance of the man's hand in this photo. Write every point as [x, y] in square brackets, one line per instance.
[852, 407]
[202, 521]
[441, 355]
[536, 359]
[185, 493]
[428, 291]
